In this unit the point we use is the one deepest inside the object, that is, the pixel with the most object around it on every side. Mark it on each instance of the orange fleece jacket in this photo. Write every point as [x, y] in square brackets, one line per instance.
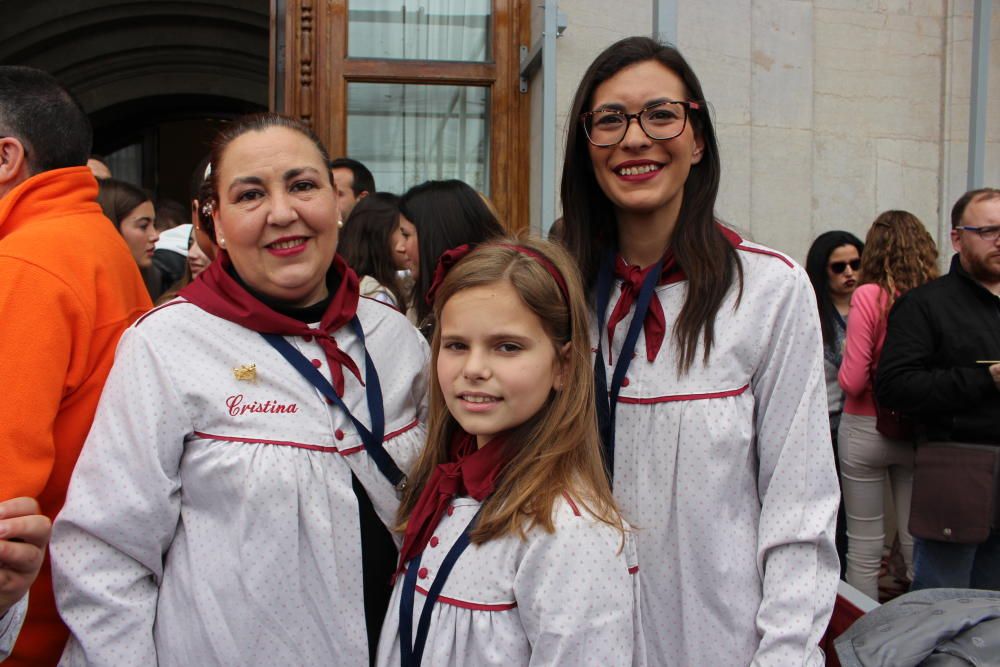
[68, 289]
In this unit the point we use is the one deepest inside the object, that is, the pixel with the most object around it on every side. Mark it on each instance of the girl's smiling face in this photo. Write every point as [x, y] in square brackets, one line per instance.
[496, 365]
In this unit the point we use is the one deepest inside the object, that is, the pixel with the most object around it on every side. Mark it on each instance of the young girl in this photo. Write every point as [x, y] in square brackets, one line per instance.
[513, 467]
[710, 376]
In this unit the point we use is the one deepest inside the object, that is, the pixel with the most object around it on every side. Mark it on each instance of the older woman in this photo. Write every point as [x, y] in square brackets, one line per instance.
[220, 512]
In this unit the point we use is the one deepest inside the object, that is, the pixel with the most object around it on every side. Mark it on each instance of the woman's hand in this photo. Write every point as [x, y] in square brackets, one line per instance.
[995, 372]
[24, 534]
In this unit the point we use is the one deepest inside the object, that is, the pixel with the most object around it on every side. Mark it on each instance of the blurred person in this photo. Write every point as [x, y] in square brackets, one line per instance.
[196, 261]
[709, 376]
[941, 365]
[170, 214]
[250, 493]
[834, 266]
[131, 211]
[354, 183]
[899, 255]
[201, 211]
[367, 245]
[68, 288]
[24, 534]
[98, 167]
[437, 216]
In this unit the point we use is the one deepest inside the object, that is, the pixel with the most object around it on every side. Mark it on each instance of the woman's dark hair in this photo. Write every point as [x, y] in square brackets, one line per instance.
[591, 228]
[366, 242]
[816, 267]
[446, 214]
[118, 199]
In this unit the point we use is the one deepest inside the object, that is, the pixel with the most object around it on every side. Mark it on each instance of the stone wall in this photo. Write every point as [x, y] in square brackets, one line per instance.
[828, 111]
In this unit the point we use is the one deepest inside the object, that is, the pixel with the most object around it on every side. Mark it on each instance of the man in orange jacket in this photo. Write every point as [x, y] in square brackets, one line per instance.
[68, 288]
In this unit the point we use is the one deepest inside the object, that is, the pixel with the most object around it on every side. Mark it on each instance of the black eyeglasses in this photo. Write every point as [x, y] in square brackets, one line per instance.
[985, 233]
[840, 267]
[660, 121]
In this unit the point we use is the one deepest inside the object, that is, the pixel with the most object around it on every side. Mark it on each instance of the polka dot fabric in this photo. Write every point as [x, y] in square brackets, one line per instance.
[211, 520]
[10, 625]
[566, 598]
[727, 473]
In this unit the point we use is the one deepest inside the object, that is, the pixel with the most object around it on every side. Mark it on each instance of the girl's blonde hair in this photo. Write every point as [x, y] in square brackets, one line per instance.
[899, 255]
[558, 450]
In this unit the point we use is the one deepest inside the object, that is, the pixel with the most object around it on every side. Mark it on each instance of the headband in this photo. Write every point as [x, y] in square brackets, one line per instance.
[451, 257]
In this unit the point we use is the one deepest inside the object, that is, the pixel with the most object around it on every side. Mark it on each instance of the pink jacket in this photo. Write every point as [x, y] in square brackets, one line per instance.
[862, 349]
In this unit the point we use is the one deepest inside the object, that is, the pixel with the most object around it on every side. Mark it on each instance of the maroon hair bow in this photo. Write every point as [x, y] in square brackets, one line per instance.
[448, 259]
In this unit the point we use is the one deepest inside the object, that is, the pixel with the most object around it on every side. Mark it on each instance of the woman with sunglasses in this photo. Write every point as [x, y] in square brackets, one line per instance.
[899, 255]
[834, 266]
[710, 376]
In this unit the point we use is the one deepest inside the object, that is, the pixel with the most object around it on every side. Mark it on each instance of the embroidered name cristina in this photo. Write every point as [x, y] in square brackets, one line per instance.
[237, 407]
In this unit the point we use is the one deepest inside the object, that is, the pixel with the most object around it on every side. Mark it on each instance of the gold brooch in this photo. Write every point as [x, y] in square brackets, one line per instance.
[246, 372]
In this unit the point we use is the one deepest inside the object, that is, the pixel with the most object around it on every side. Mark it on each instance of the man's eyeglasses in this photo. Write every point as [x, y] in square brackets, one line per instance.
[985, 233]
[660, 121]
[840, 267]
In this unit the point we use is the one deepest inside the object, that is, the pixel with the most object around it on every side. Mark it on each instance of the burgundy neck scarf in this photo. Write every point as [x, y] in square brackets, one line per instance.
[655, 325]
[470, 471]
[218, 293]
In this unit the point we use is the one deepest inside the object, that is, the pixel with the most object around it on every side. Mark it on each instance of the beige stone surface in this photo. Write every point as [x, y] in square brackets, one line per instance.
[827, 111]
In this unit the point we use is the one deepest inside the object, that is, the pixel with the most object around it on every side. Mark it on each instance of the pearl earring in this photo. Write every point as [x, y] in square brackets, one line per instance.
[340, 224]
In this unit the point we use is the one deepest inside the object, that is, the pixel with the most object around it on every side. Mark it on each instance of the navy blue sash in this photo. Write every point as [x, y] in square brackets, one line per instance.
[412, 652]
[607, 399]
[372, 439]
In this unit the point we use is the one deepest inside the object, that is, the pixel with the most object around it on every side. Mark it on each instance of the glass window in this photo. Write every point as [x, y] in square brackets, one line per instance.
[407, 133]
[420, 29]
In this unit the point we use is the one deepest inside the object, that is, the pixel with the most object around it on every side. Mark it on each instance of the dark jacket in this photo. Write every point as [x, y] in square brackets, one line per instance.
[928, 368]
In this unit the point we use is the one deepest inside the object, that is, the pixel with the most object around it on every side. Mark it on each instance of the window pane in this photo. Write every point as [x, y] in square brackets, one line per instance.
[406, 134]
[419, 29]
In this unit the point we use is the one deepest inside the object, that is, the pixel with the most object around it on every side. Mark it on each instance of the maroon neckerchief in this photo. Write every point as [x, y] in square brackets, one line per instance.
[655, 324]
[216, 292]
[470, 471]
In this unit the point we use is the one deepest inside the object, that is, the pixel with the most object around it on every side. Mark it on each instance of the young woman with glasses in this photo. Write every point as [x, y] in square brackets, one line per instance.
[899, 255]
[710, 376]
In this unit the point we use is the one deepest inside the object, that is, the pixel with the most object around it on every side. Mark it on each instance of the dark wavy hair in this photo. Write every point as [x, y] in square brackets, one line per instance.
[900, 254]
[816, 266]
[446, 214]
[366, 242]
[591, 227]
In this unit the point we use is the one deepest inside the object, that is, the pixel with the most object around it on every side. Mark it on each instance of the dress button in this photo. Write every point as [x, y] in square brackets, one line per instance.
[450, 510]
[338, 434]
[625, 382]
[946, 531]
[434, 541]
[422, 573]
[307, 338]
[317, 363]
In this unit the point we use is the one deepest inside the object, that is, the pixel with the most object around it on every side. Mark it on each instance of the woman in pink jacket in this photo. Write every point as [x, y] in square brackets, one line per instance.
[899, 255]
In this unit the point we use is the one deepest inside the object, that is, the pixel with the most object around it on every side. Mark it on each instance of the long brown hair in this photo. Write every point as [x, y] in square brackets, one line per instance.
[590, 225]
[899, 255]
[558, 450]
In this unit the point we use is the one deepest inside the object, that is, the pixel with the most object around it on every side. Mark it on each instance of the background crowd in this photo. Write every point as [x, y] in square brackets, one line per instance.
[312, 396]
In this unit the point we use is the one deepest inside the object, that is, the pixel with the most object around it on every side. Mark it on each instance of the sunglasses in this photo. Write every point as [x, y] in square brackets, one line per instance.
[840, 267]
